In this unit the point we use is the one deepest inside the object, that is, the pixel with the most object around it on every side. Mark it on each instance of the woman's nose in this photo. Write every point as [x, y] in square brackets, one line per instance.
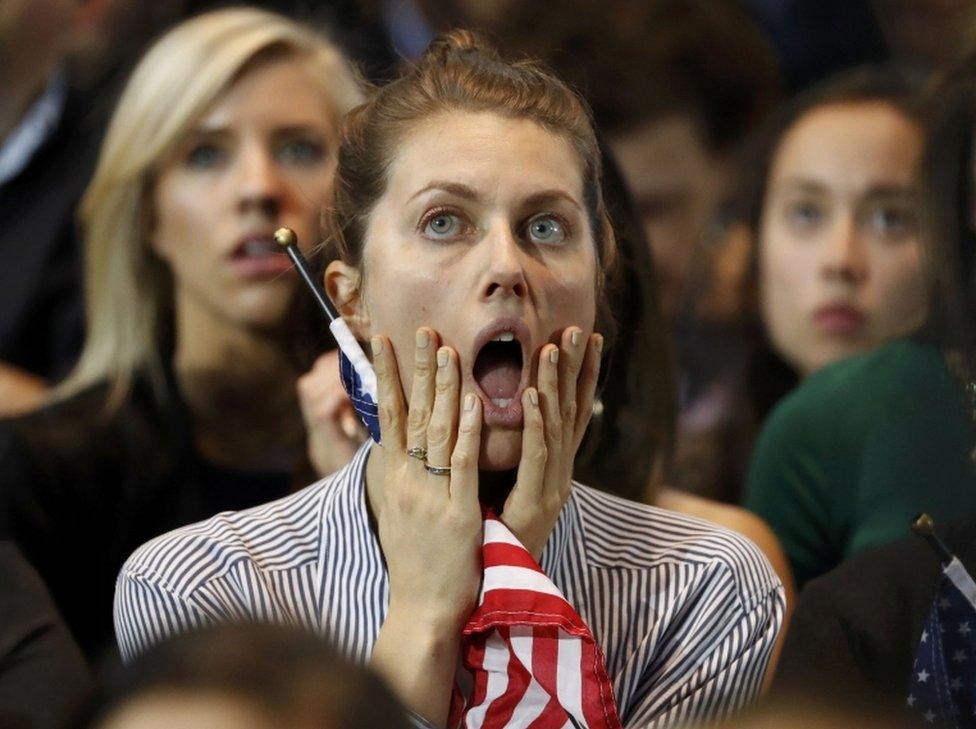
[259, 182]
[844, 256]
[505, 270]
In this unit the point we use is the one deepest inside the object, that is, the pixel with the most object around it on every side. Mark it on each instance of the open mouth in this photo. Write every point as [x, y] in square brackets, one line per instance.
[257, 247]
[259, 256]
[498, 369]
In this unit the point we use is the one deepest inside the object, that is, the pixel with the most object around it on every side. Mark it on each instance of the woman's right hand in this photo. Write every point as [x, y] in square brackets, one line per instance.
[429, 525]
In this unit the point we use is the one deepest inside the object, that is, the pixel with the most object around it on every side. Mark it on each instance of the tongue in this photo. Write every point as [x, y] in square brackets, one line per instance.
[498, 376]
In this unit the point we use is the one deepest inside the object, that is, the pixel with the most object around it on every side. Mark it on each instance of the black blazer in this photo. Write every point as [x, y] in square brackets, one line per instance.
[41, 309]
[856, 630]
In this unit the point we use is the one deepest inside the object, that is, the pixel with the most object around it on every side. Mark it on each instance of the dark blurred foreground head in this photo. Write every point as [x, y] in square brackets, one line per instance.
[247, 676]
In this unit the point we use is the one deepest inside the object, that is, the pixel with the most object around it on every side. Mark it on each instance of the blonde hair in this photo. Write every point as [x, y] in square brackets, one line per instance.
[128, 290]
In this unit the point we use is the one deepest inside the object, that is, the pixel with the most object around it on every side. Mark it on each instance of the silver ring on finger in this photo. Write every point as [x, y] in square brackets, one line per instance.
[419, 453]
[438, 470]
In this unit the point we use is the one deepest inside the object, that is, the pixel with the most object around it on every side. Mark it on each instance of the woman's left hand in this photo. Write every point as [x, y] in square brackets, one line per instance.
[555, 419]
[334, 431]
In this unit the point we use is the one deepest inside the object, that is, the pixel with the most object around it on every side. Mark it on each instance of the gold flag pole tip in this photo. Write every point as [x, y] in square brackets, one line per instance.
[285, 237]
[923, 525]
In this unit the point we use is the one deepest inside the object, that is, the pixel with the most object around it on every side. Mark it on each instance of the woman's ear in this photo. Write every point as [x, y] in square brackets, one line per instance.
[343, 286]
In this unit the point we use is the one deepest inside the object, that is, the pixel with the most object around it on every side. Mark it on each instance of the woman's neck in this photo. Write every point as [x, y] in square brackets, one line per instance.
[240, 392]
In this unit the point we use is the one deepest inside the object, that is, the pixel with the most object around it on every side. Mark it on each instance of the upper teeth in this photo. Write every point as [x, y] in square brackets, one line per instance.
[258, 247]
[504, 337]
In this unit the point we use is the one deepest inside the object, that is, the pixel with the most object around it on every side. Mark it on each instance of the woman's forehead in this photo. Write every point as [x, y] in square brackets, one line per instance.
[493, 155]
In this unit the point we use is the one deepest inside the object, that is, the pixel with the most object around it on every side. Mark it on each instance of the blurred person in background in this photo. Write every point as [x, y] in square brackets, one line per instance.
[846, 460]
[677, 86]
[43, 675]
[183, 402]
[815, 41]
[828, 199]
[243, 676]
[858, 628]
[48, 144]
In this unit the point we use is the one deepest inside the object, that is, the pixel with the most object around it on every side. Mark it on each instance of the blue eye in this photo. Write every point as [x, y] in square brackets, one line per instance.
[301, 151]
[804, 214]
[205, 156]
[442, 225]
[892, 222]
[545, 229]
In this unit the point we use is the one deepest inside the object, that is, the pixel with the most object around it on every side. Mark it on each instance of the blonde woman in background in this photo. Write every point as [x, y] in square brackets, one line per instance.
[184, 402]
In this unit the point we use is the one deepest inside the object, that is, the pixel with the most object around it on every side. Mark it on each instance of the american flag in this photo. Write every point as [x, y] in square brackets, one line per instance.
[533, 660]
[361, 391]
[943, 682]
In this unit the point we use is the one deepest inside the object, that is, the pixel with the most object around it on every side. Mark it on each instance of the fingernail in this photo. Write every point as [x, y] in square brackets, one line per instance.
[422, 339]
[554, 355]
[376, 344]
[533, 396]
[598, 345]
[574, 337]
[442, 357]
[468, 403]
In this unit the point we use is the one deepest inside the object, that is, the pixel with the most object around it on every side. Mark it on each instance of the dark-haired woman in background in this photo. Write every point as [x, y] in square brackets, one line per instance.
[862, 446]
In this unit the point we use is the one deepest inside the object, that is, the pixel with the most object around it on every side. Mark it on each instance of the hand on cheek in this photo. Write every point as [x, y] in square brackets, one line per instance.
[556, 416]
[429, 523]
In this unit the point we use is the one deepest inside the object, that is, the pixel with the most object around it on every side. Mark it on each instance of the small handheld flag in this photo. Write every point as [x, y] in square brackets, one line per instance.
[942, 687]
[355, 371]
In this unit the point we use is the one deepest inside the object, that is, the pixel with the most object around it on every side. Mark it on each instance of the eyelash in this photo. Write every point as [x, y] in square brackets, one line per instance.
[568, 228]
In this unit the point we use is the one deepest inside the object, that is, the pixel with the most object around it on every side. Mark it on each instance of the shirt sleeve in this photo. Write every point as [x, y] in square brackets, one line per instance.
[717, 658]
[147, 612]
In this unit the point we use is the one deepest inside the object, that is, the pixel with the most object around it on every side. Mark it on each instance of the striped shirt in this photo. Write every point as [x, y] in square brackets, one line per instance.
[686, 613]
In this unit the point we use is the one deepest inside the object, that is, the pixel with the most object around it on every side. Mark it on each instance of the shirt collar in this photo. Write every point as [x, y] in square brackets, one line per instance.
[34, 128]
[554, 553]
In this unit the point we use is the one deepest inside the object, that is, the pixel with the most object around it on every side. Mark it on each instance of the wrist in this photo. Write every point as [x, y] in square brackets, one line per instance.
[432, 622]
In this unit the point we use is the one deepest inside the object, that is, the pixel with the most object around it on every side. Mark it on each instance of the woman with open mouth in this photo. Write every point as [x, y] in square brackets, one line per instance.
[470, 247]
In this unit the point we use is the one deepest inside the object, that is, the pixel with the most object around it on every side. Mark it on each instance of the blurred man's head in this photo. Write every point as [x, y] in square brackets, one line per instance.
[246, 676]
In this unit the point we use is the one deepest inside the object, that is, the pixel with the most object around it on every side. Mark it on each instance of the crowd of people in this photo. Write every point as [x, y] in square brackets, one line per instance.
[671, 307]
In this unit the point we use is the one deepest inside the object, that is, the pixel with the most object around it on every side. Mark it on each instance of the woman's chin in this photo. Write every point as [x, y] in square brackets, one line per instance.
[500, 450]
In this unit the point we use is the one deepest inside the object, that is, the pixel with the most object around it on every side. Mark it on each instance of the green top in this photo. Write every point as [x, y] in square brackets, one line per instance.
[857, 450]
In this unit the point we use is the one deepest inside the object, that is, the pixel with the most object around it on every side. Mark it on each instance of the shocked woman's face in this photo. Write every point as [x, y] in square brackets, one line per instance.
[481, 235]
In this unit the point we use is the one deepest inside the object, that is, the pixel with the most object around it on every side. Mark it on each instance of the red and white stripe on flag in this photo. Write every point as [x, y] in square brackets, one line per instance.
[534, 661]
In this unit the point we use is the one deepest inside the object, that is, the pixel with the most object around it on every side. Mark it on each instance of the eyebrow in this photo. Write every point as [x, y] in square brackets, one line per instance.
[879, 190]
[218, 130]
[468, 193]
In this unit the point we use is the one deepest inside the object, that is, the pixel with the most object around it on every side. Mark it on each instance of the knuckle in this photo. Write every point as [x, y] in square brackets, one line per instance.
[569, 412]
[417, 418]
[555, 434]
[437, 433]
[421, 368]
[389, 414]
[460, 460]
